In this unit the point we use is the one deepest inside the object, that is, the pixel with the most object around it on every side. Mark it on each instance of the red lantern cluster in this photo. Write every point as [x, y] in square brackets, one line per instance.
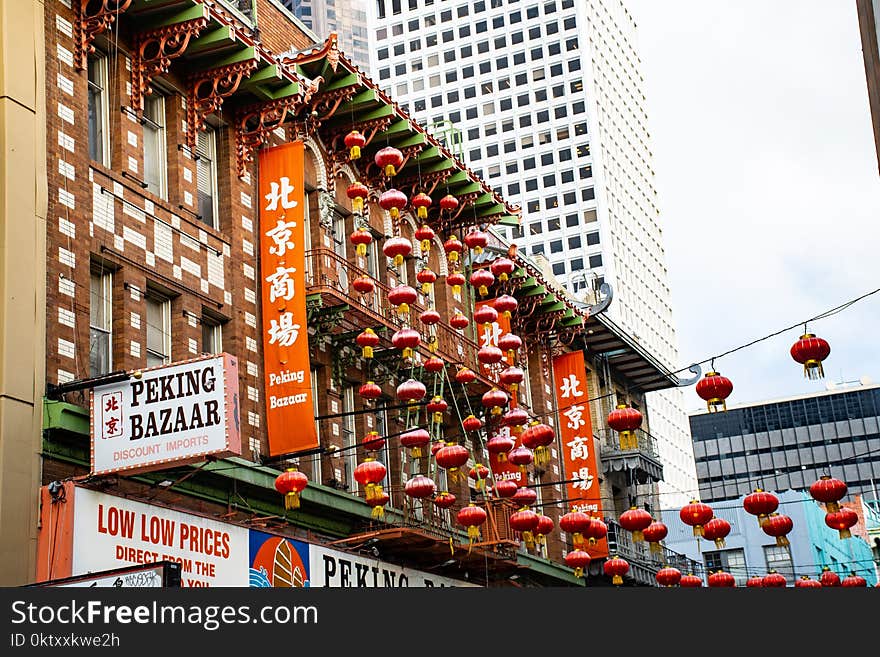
[696, 514]
[525, 521]
[810, 351]
[369, 475]
[714, 389]
[538, 437]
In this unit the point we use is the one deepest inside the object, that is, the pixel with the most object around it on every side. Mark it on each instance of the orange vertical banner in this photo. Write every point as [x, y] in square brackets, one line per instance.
[290, 419]
[576, 432]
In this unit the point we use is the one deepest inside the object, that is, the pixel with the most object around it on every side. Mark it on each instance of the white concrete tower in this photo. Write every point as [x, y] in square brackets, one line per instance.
[547, 98]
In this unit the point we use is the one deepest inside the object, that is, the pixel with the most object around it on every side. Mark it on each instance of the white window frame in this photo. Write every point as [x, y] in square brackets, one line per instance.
[165, 311]
[349, 438]
[100, 61]
[105, 280]
[208, 152]
[156, 99]
[212, 335]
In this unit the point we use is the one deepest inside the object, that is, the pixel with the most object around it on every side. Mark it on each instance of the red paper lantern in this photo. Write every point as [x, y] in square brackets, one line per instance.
[760, 503]
[367, 340]
[401, 296]
[465, 375]
[668, 576]
[515, 417]
[369, 475]
[451, 457]
[506, 304]
[426, 278]
[449, 203]
[525, 521]
[406, 339]
[499, 445]
[482, 280]
[485, 314]
[430, 317]
[597, 531]
[458, 320]
[521, 456]
[691, 581]
[525, 496]
[357, 192]
[505, 488]
[420, 486]
[635, 520]
[452, 247]
[778, 525]
[774, 580]
[424, 234]
[538, 435]
[696, 514]
[397, 248]
[853, 580]
[755, 582]
[576, 524]
[434, 365]
[380, 499]
[421, 202]
[810, 351]
[476, 240]
[502, 268]
[437, 406]
[490, 355]
[411, 391]
[578, 560]
[456, 279]
[512, 377]
[373, 442]
[714, 389]
[545, 526]
[444, 500]
[654, 533]
[472, 423]
[479, 473]
[829, 577]
[370, 391]
[616, 568]
[625, 420]
[472, 517]
[716, 530]
[493, 400]
[291, 483]
[510, 343]
[354, 142]
[806, 583]
[361, 238]
[393, 200]
[436, 445]
[389, 159]
[363, 285]
[842, 520]
[829, 491]
[720, 579]
[415, 439]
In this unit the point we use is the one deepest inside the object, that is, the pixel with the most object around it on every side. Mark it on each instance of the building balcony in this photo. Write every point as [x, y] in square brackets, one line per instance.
[638, 454]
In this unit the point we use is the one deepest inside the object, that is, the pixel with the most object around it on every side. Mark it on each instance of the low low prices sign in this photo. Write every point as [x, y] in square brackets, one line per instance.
[176, 413]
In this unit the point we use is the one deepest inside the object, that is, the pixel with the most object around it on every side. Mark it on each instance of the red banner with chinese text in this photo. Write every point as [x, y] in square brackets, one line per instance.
[576, 432]
[290, 418]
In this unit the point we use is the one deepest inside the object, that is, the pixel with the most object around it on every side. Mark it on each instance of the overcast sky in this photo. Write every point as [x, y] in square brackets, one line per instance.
[768, 184]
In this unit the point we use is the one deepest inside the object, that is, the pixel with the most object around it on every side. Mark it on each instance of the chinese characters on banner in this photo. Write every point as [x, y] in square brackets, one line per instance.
[290, 421]
[576, 431]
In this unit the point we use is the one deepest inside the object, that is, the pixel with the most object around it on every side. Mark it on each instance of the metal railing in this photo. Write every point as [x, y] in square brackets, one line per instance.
[620, 542]
[611, 443]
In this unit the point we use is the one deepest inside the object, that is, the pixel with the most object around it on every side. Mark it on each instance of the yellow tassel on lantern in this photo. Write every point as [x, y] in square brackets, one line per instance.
[503, 277]
[398, 260]
[361, 250]
[367, 352]
[291, 500]
[473, 533]
[656, 547]
[698, 530]
[453, 474]
[529, 538]
[354, 153]
[845, 533]
[542, 456]
[403, 309]
[357, 204]
[483, 290]
[456, 290]
[426, 288]
[378, 512]
[638, 536]
[628, 440]
[617, 580]
[478, 250]
[432, 344]
[453, 256]
[426, 245]
[540, 540]
[578, 539]
[416, 452]
[395, 213]
[437, 417]
[390, 170]
[502, 457]
[782, 541]
[422, 212]
[407, 352]
[578, 572]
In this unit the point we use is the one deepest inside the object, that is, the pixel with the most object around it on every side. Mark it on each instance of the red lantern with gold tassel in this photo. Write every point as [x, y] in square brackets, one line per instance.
[453, 248]
[471, 516]
[421, 202]
[760, 503]
[401, 296]
[476, 240]
[505, 488]
[597, 531]
[472, 423]
[357, 192]
[363, 285]
[373, 442]
[510, 343]
[654, 533]
[842, 520]
[429, 317]
[449, 203]
[393, 200]
[426, 278]
[696, 514]
[515, 417]
[714, 389]
[578, 560]
[369, 475]
[538, 437]
[625, 420]
[291, 483]
[370, 390]
[493, 400]
[635, 520]
[380, 499]
[456, 279]
[525, 521]
[407, 340]
[415, 440]
[489, 355]
[502, 268]
[444, 500]
[451, 457]
[458, 320]
[778, 525]
[437, 407]
[521, 456]
[354, 142]
[525, 496]
[668, 576]
[397, 248]
[616, 568]
[576, 524]
[810, 351]
[806, 583]
[716, 530]
[434, 365]
[829, 491]
[389, 159]
[479, 473]
[545, 526]
[367, 340]
[465, 375]
[482, 280]
[411, 391]
[419, 486]
[498, 446]
[512, 377]
[424, 234]
[485, 314]
[505, 304]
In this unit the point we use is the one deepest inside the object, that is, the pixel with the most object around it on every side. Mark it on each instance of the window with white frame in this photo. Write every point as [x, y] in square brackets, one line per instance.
[206, 174]
[349, 439]
[732, 561]
[158, 329]
[99, 114]
[100, 323]
[778, 558]
[154, 144]
[212, 335]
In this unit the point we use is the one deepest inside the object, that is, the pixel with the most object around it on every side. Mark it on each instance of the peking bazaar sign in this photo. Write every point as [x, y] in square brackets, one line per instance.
[290, 421]
[576, 431]
[176, 413]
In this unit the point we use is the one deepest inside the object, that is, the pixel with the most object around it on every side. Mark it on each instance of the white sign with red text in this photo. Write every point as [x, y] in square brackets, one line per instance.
[110, 532]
